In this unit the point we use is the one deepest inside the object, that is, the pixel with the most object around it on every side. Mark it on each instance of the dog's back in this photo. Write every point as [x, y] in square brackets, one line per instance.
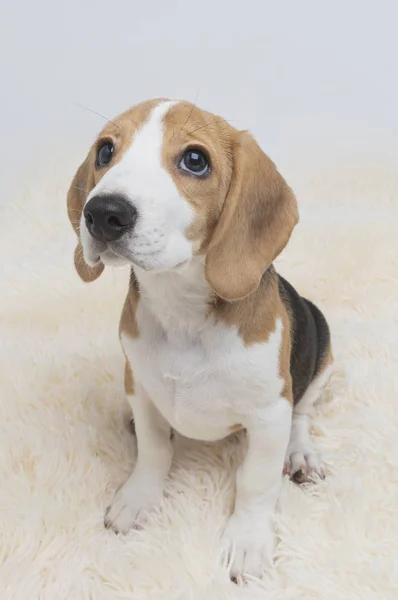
[310, 336]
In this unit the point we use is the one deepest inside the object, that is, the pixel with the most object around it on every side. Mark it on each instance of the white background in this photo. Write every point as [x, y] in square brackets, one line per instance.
[314, 81]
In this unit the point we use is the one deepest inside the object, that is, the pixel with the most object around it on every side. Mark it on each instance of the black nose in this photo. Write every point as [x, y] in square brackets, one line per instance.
[109, 217]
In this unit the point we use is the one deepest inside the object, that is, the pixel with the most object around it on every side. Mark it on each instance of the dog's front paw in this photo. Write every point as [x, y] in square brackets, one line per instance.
[130, 506]
[249, 543]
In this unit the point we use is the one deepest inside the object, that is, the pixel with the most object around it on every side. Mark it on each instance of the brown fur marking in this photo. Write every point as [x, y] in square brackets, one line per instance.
[255, 318]
[187, 126]
[128, 326]
[256, 222]
[128, 379]
[128, 323]
[236, 427]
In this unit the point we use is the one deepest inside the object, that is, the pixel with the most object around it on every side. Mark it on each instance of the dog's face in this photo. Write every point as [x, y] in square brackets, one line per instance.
[166, 181]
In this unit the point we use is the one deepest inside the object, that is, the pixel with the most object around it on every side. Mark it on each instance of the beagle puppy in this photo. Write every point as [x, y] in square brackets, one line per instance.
[214, 339]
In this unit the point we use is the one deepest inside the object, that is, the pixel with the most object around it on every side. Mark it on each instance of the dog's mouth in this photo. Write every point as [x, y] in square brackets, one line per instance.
[115, 257]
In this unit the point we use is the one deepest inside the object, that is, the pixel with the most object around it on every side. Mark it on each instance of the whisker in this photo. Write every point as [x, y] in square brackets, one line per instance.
[94, 112]
[80, 188]
[207, 125]
[134, 123]
[192, 109]
[40, 223]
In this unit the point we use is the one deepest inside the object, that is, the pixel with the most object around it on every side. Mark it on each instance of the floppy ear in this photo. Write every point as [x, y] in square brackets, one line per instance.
[81, 186]
[257, 219]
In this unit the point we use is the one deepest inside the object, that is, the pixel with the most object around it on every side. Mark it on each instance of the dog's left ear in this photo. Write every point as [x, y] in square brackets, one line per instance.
[81, 186]
[257, 219]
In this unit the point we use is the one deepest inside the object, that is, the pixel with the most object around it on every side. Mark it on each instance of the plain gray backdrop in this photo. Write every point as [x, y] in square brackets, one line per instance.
[309, 79]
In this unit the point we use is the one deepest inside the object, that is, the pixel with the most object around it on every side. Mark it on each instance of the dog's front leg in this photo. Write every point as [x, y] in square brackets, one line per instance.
[249, 535]
[144, 488]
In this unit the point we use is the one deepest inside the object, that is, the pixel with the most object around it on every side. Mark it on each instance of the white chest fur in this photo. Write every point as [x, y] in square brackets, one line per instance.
[198, 373]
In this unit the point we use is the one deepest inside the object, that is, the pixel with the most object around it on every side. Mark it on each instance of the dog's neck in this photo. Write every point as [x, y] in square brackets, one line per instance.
[178, 299]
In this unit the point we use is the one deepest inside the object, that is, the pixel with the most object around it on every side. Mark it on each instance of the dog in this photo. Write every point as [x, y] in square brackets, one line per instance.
[214, 339]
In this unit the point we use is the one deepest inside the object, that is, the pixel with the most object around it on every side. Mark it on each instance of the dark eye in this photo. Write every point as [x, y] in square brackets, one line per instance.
[195, 162]
[105, 154]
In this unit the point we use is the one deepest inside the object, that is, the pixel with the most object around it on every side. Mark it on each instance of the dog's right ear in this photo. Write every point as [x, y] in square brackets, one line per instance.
[257, 219]
[82, 184]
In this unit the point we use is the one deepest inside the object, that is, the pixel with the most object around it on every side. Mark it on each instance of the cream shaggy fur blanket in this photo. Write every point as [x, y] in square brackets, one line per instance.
[66, 444]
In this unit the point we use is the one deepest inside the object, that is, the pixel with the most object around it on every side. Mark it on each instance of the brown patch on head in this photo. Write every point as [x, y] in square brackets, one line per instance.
[120, 131]
[188, 127]
[245, 211]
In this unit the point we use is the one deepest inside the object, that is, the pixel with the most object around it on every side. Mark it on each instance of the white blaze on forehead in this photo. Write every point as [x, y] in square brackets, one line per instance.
[140, 173]
[164, 215]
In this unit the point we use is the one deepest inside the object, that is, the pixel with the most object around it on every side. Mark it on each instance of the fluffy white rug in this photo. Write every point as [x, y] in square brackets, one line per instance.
[66, 446]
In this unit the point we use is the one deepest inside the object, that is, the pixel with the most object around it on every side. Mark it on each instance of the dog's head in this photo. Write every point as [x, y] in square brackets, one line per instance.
[166, 181]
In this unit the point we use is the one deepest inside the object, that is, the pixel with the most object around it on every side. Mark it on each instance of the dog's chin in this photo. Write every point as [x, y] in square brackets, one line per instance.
[107, 258]
[111, 259]
[158, 266]
[152, 263]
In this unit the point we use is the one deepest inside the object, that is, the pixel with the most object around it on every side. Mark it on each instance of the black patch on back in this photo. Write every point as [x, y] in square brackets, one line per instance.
[323, 336]
[310, 338]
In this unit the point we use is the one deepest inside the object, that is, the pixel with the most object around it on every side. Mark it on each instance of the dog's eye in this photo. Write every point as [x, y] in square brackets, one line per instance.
[195, 162]
[105, 154]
